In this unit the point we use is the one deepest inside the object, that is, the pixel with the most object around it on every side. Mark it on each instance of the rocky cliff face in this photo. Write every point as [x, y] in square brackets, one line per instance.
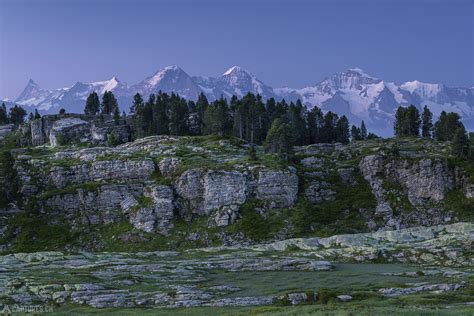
[210, 187]
[66, 128]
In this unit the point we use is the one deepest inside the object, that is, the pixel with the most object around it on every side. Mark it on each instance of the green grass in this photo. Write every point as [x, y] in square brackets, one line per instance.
[461, 206]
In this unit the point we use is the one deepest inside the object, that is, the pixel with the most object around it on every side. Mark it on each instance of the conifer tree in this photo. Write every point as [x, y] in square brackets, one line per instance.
[426, 122]
[37, 115]
[363, 131]
[460, 143]
[137, 102]
[17, 115]
[3, 114]
[342, 134]
[280, 138]
[92, 104]
[116, 116]
[355, 133]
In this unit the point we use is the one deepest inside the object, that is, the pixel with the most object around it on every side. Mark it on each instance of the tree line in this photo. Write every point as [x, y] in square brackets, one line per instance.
[275, 124]
[448, 127]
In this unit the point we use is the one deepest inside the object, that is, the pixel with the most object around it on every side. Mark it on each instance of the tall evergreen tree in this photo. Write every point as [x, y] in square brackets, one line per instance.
[217, 119]
[342, 133]
[280, 138]
[363, 130]
[137, 102]
[92, 104]
[37, 115]
[355, 133]
[3, 114]
[178, 116]
[17, 115]
[109, 103]
[446, 126]
[426, 122]
[201, 106]
[296, 121]
[328, 131]
[460, 143]
[116, 116]
[315, 121]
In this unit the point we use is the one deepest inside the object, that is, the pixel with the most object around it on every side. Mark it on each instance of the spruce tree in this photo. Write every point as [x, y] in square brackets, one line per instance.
[92, 104]
[446, 126]
[17, 115]
[37, 115]
[280, 138]
[460, 143]
[3, 114]
[427, 124]
[217, 119]
[201, 106]
[109, 103]
[342, 134]
[116, 116]
[363, 131]
[137, 102]
[355, 133]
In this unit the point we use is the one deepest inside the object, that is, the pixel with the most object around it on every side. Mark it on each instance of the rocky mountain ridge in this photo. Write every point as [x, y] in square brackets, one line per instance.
[170, 192]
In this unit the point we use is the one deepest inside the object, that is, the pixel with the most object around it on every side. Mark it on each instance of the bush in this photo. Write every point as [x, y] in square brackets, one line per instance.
[325, 296]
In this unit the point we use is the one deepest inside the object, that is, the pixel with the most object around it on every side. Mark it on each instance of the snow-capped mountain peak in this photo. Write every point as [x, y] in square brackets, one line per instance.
[234, 70]
[169, 79]
[428, 90]
[32, 93]
[352, 92]
[107, 85]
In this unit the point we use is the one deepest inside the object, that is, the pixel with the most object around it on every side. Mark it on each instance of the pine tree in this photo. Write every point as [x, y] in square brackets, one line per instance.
[62, 111]
[201, 106]
[92, 104]
[109, 103]
[137, 102]
[178, 116]
[116, 116]
[37, 115]
[3, 114]
[314, 123]
[446, 126]
[217, 119]
[407, 121]
[363, 131]
[328, 131]
[414, 121]
[460, 143]
[355, 133]
[427, 124]
[280, 138]
[17, 115]
[296, 121]
[9, 181]
[342, 130]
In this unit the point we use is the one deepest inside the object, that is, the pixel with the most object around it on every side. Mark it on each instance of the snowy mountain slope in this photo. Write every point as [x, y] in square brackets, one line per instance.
[235, 81]
[353, 93]
[72, 99]
[169, 79]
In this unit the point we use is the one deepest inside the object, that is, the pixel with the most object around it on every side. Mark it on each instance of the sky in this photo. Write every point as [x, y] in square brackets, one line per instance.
[283, 42]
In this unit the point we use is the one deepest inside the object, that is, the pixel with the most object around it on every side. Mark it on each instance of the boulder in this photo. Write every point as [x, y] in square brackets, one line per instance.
[344, 298]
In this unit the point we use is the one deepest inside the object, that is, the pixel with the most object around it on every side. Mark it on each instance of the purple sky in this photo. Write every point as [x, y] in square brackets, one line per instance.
[292, 43]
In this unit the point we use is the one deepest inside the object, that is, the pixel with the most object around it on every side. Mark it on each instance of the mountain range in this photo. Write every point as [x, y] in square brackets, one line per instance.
[353, 93]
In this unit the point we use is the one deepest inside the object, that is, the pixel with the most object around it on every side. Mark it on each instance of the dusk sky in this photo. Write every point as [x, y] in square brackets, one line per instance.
[284, 43]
